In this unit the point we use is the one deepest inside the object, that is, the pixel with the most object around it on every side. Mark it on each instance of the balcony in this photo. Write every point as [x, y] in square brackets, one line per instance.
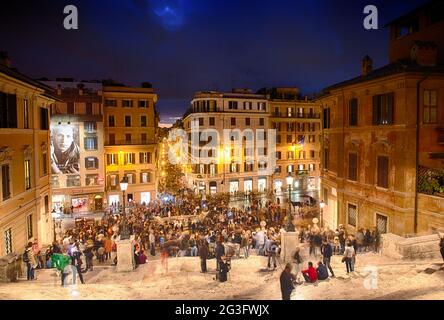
[297, 115]
[132, 142]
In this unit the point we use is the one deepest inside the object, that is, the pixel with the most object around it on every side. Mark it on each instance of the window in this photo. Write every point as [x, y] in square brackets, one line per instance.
[112, 159]
[233, 121]
[312, 167]
[143, 121]
[25, 114]
[44, 119]
[130, 158]
[301, 167]
[131, 178]
[353, 112]
[383, 109]
[213, 169]
[127, 121]
[278, 138]
[290, 168]
[302, 154]
[248, 166]
[73, 181]
[128, 138]
[91, 163]
[8, 241]
[143, 137]
[325, 196]
[234, 167]
[289, 138]
[144, 157]
[289, 112]
[145, 177]
[46, 203]
[407, 28]
[112, 139]
[247, 121]
[29, 226]
[326, 158]
[381, 223]
[312, 154]
[326, 116]
[27, 174]
[127, 103]
[430, 106]
[90, 126]
[70, 108]
[111, 121]
[290, 155]
[6, 191]
[278, 155]
[212, 121]
[201, 121]
[110, 103]
[248, 105]
[45, 163]
[90, 143]
[232, 105]
[261, 121]
[92, 179]
[8, 110]
[353, 166]
[113, 180]
[352, 214]
[261, 106]
[143, 104]
[89, 108]
[383, 171]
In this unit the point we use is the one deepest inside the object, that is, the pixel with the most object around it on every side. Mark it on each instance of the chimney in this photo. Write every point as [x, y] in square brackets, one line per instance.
[4, 59]
[367, 66]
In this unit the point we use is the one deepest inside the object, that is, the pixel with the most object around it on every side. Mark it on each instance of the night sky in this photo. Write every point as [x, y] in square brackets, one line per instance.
[182, 46]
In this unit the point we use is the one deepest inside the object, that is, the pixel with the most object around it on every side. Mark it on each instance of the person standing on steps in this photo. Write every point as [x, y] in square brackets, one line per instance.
[287, 280]
[203, 255]
[327, 252]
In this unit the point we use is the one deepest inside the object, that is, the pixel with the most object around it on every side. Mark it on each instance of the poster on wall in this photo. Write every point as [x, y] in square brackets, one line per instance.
[65, 149]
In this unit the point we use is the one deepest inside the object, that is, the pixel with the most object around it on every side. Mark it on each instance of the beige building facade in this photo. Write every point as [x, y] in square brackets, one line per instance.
[25, 195]
[131, 123]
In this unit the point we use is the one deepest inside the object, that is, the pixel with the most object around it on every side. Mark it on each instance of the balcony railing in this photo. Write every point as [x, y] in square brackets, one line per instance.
[131, 142]
[297, 115]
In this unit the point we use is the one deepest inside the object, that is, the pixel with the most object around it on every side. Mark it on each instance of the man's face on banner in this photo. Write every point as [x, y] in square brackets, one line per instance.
[64, 137]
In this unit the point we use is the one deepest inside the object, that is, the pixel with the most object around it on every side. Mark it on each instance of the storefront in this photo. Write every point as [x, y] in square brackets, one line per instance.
[261, 184]
[145, 198]
[234, 186]
[248, 185]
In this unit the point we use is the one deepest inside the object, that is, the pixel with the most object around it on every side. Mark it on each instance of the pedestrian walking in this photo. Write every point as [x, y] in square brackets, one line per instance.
[349, 254]
[30, 260]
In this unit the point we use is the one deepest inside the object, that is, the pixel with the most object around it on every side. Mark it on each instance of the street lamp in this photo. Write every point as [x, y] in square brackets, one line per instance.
[123, 187]
[289, 180]
[321, 205]
[290, 226]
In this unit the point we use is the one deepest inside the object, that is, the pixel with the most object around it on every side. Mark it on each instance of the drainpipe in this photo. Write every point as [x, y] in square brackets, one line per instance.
[418, 115]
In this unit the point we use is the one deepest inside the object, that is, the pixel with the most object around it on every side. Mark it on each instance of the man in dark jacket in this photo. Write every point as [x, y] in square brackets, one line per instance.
[203, 254]
[287, 279]
[327, 252]
[322, 271]
[219, 252]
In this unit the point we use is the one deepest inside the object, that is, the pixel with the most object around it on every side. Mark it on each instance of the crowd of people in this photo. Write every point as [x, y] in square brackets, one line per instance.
[190, 227]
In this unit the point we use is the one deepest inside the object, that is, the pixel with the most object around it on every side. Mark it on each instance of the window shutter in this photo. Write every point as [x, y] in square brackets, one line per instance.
[375, 110]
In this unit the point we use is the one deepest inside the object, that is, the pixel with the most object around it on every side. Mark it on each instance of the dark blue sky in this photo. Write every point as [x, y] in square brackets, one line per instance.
[182, 46]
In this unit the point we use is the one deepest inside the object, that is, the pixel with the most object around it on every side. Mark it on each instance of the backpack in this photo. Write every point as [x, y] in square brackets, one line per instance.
[25, 257]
